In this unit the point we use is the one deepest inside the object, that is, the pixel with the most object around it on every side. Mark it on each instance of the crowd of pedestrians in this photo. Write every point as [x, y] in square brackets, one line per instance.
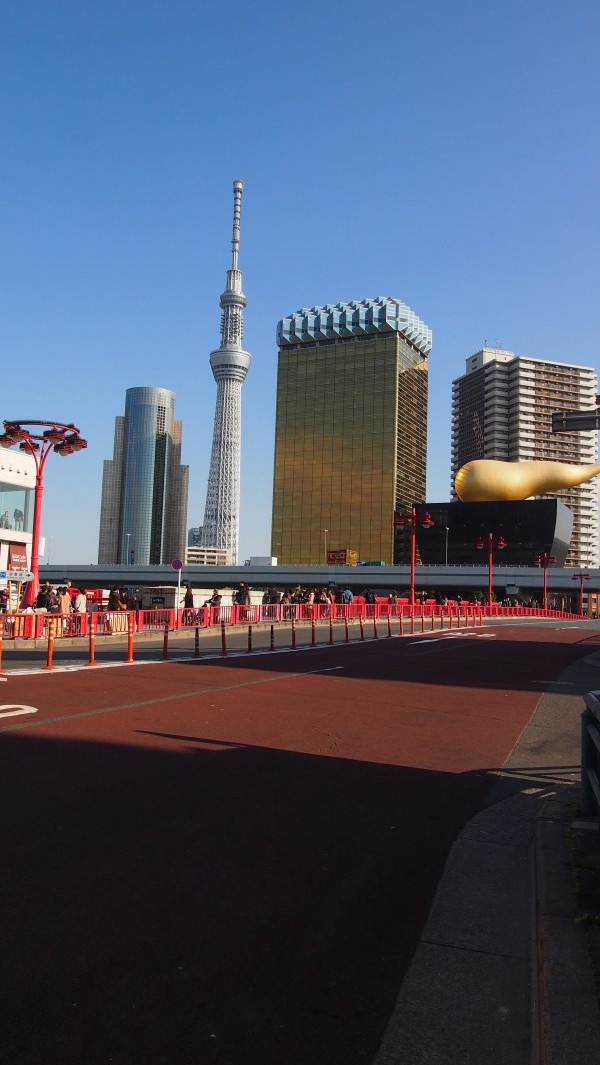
[65, 600]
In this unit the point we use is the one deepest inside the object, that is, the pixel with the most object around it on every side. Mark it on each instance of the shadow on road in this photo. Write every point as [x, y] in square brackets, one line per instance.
[218, 903]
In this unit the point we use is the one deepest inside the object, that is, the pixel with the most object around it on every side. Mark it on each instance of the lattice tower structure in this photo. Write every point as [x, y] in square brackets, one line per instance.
[229, 364]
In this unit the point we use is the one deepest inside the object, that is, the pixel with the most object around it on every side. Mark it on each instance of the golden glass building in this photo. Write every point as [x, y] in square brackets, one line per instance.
[351, 429]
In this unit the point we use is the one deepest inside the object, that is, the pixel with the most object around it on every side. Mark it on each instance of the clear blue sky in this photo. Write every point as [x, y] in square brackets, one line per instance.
[443, 153]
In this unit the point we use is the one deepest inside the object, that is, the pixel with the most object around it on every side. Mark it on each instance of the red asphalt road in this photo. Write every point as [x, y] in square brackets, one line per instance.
[231, 862]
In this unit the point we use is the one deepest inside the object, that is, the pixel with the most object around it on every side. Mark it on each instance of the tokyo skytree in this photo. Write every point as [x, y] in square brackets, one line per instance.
[229, 364]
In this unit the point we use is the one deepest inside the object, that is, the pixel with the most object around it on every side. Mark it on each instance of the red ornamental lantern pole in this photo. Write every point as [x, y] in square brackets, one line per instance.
[581, 577]
[545, 560]
[412, 519]
[492, 541]
[39, 438]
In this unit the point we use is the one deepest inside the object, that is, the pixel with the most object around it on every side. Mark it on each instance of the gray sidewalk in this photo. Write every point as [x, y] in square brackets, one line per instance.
[502, 974]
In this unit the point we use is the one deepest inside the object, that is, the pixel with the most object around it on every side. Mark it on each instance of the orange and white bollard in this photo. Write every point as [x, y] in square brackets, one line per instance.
[330, 629]
[51, 635]
[197, 642]
[346, 627]
[362, 630]
[272, 640]
[312, 632]
[223, 639]
[389, 621]
[293, 635]
[249, 647]
[1, 647]
[375, 633]
[129, 638]
[166, 641]
[92, 643]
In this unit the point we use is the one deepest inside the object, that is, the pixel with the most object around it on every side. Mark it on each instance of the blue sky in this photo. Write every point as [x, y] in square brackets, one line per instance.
[443, 153]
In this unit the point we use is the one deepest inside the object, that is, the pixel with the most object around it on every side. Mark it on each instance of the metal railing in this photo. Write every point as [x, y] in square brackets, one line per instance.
[110, 623]
[590, 754]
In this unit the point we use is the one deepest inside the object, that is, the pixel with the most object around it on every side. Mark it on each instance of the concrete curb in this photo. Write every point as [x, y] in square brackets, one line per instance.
[566, 1015]
[465, 999]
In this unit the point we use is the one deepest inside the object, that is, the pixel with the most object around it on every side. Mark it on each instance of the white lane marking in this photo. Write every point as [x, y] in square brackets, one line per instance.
[327, 669]
[435, 639]
[20, 708]
[455, 636]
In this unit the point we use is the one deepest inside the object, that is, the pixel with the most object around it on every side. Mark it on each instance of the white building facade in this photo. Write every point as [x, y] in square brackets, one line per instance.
[17, 487]
[502, 409]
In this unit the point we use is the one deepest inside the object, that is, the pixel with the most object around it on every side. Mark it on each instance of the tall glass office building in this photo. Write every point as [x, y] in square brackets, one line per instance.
[143, 514]
[351, 428]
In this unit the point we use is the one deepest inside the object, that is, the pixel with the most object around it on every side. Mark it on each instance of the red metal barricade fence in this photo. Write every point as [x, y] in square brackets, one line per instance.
[108, 623]
[35, 625]
[17, 626]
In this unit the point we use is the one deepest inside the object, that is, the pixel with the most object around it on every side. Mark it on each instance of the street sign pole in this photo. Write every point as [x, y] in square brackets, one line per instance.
[177, 564]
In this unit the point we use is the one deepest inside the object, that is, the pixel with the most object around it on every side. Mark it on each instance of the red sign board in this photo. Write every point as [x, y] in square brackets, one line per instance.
[17, 557]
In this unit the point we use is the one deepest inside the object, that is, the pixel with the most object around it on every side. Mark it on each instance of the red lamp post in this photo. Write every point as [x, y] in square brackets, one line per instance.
[545, 560]
[413, 520]
[39, 439]
[581, 577]
[492, 541]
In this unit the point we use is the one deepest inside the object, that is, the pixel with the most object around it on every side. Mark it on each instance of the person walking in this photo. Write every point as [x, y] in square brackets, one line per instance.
[64, 608]
[115, 602]
[80, 602]
[64, 601]
[51, 601]
[242, 599]
[215, 603]
[188, 605]
[116, 605]
[41, 602]
[79, 607]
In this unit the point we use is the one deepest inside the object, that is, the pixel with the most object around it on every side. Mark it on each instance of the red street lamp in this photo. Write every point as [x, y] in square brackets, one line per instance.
[545, 560]
[413, 520]
[39, 439]
[492, 541]
[581, 577]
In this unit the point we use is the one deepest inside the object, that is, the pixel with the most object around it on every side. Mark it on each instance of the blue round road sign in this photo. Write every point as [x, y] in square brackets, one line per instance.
[176, 563]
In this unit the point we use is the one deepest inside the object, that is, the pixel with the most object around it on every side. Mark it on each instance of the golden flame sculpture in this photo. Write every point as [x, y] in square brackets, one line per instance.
[485, 480]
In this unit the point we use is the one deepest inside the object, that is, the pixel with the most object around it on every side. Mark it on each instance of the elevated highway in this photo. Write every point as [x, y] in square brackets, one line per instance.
[446, 579]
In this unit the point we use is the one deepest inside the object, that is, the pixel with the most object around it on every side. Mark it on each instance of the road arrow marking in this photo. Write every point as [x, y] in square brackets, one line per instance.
[19, 709]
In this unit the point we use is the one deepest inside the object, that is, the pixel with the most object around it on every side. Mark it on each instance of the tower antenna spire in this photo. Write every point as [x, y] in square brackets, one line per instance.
[238, 188]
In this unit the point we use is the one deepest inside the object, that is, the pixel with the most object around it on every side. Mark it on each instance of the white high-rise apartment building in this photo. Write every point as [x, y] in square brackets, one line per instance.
[502, 409]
